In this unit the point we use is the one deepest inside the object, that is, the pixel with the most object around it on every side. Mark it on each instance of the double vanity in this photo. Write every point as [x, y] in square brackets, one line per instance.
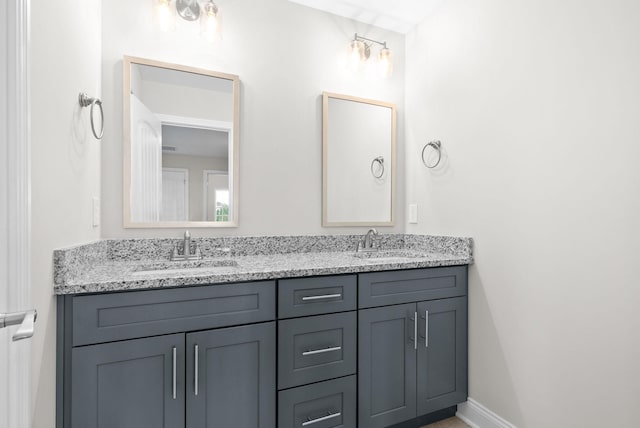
[297, 331]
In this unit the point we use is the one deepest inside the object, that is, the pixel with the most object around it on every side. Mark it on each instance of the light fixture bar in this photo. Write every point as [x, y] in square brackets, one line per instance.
[360, 51]
[360, 38]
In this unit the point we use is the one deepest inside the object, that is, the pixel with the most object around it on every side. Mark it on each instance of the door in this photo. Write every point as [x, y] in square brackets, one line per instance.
[129, 384]
[146, 164]
[442, 354]
[387, 365]
[231, 377]
[15, 294]
[175, 194]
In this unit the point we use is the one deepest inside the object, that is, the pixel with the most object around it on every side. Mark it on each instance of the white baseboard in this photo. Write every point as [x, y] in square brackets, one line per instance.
[476, 415]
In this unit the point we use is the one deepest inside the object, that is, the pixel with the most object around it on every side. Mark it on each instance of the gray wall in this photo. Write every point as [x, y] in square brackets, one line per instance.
[286, 55]
[536, 104]
[65, 164]
[196, 167]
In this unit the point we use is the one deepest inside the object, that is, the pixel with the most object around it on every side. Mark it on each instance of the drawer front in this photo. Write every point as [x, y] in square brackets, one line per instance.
[319, 295]
[413, 285]
[118, 316]
[316, 348]
[330, 404]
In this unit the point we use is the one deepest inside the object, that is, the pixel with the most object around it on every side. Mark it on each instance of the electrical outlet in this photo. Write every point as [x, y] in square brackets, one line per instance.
[95, 207]
[413, 213]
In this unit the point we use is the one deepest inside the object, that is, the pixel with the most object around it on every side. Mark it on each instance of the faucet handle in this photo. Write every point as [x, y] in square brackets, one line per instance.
[174, 252]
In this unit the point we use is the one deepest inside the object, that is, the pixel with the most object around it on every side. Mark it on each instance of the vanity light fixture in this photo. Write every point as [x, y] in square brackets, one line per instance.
[164, 15]
[209, 20]
[360, 51]
[206, 11]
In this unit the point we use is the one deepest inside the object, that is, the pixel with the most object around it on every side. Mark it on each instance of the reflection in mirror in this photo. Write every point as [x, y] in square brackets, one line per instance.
[181, 146]
[359, 161]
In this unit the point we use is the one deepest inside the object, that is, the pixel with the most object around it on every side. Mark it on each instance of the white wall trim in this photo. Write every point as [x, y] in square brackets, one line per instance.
[18, 199]
[476, 415]
[194, 122]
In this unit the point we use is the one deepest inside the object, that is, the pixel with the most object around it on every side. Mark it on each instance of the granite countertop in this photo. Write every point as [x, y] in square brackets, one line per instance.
[104, 266]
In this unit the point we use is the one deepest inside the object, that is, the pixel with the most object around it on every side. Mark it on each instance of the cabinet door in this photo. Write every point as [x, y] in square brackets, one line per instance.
[442, 354]
[231, 377]
[129, 384]
[387, 366]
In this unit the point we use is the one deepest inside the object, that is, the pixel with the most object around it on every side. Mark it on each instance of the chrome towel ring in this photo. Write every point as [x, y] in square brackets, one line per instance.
[436, 145]
[379, 160]
[86, 101]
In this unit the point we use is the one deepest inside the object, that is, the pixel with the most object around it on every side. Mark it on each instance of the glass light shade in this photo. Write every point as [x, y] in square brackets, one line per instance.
[164, 15]
[385, 62]
[356, 54]
[209, 21]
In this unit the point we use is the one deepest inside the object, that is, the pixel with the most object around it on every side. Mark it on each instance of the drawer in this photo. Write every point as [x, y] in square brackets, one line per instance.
[117, 316]
[413, 285]
[316, 348]
[329, 404]
[318, 295]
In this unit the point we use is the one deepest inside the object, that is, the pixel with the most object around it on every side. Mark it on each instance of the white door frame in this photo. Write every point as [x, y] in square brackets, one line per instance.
[205, 190]
[15, 275]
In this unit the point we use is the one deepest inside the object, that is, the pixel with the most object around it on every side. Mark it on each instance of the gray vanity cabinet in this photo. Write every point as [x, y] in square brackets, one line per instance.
[412, 357]
[231, 377]
[131, 384]
[129, 360]
[370, 350]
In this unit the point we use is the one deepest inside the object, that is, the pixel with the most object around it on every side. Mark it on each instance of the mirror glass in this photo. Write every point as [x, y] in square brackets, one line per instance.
[181, 146]
[359, 162]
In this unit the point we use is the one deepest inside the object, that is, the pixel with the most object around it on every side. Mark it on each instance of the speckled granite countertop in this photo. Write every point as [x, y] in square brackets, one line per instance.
[120, 265]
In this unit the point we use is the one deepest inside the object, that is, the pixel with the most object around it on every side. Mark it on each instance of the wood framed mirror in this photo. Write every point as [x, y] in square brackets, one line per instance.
[358, 161]
[181, 142]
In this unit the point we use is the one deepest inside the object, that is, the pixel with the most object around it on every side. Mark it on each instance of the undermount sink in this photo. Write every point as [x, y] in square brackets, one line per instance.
[184, 266]
[387, 256]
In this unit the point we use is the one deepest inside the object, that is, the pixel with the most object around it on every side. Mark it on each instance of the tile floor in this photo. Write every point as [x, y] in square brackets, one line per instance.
[448, 423]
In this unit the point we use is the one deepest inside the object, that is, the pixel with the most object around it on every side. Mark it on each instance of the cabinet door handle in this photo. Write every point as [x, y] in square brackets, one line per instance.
[195, 365]
[415, 329]
[426, 329]
[175, 371]
[324, 418]
[321, 297]
[322, 351]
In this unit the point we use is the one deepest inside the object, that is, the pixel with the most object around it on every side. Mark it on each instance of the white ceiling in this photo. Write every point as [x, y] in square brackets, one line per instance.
[395, 15]
[195, 142]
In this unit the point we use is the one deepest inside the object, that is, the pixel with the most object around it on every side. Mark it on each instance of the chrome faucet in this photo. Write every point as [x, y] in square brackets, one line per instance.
[368, 243]
[186, 251]
[187, 244]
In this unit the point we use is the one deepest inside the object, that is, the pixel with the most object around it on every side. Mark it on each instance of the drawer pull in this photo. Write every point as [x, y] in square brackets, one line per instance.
[324, 296]
[324, 418]
[322, 351]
